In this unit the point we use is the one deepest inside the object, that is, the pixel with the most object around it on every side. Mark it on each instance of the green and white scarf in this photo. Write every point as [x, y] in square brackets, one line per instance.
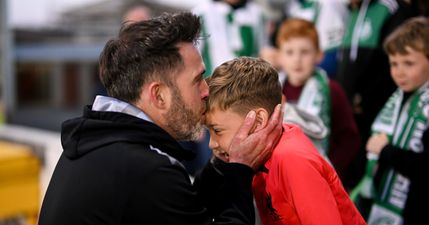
[365, 25]
[404, 126]
[315, 99]
[230, 33]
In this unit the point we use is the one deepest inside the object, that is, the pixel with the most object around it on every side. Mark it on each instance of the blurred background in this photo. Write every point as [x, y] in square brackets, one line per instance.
[50, 52]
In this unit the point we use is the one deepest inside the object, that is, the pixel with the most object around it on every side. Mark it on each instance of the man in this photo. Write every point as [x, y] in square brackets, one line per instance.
[121, 162]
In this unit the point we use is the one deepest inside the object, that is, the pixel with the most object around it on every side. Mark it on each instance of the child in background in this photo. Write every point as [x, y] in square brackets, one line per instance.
[330, 18]
[363, 67]
[400, 184]
[296, 185]
[310, 89]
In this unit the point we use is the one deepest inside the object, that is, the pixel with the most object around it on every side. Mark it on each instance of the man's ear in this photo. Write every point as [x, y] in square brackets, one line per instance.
[159, 94]
[261, 119]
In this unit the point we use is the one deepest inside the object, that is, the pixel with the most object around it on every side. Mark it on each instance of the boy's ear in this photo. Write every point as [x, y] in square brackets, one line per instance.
[261, 119]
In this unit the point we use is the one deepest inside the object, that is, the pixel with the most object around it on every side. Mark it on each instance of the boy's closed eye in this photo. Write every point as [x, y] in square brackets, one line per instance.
[408, 63]
[217, 131]
[393, 64]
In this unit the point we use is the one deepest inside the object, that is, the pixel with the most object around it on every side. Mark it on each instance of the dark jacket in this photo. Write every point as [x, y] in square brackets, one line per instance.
[415, 167]
[119, 169]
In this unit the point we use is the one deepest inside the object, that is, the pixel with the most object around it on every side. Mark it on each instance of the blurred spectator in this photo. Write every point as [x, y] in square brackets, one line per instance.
[329, 17]
[396, 183]
[231, 28]
[363, 66]
[309, 88]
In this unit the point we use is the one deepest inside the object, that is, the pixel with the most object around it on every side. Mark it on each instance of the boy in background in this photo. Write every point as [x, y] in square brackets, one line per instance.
[308, 88]
[400, 183]
[296, 185]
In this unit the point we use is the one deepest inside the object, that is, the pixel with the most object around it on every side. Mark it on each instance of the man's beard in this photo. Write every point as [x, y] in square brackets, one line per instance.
[183, 122]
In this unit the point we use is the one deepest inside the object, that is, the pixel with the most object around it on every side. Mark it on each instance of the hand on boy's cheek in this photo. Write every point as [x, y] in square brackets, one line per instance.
[254, 149]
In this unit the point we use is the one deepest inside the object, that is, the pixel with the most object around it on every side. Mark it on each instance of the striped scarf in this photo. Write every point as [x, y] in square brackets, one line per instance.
[315, 99]
[404, 125]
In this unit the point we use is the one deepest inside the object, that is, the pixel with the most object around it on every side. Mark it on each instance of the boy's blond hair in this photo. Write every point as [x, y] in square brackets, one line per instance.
[297, 28]
[413, 33]
[243, 84]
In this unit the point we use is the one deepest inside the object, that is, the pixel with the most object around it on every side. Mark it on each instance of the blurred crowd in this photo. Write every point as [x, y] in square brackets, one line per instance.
[335, 88]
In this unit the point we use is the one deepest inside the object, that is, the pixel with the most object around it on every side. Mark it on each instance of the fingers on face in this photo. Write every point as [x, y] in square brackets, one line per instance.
[247, 125]
[276, 117]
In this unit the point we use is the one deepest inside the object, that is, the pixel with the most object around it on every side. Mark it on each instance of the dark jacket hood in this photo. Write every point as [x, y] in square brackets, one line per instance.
[97, 129]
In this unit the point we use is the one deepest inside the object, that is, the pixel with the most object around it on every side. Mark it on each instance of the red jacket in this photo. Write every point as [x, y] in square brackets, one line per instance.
[297, 186]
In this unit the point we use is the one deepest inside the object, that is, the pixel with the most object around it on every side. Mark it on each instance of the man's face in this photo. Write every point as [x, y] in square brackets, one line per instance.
[298, 57]
[223, 125]
[409, 71]
[188, 96]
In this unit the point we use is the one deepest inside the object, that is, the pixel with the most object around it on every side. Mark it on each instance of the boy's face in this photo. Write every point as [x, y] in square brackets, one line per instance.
[223, 125]
[298, 57]
[409, 71]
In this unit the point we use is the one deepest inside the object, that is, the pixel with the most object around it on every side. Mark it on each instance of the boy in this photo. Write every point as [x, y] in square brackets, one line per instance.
[400, 191]
[363, 67]
[296, 185]
[310, 89]
[330, 18]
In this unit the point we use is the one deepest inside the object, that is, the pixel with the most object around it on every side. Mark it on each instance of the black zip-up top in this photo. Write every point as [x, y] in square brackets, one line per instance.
[119, 169]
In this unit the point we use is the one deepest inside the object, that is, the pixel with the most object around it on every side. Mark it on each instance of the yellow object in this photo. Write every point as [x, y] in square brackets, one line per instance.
[19, 182]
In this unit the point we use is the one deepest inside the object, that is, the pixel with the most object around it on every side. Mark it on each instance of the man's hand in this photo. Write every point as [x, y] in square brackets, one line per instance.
[255, 149]
[376, 143]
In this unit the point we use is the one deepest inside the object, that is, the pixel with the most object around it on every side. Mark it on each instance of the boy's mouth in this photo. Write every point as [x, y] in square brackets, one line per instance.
[298, 70]
[221, 153]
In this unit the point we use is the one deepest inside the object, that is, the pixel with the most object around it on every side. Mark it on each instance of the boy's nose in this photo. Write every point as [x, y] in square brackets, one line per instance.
[213, 144]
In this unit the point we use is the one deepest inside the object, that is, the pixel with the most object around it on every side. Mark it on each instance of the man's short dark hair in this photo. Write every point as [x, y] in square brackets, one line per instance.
[146, 51]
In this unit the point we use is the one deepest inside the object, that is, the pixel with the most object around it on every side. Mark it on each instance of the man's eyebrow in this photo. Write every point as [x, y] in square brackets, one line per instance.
[200, 76]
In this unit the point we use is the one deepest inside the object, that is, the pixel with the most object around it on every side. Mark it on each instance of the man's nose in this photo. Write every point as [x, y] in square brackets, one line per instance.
[204, 89]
